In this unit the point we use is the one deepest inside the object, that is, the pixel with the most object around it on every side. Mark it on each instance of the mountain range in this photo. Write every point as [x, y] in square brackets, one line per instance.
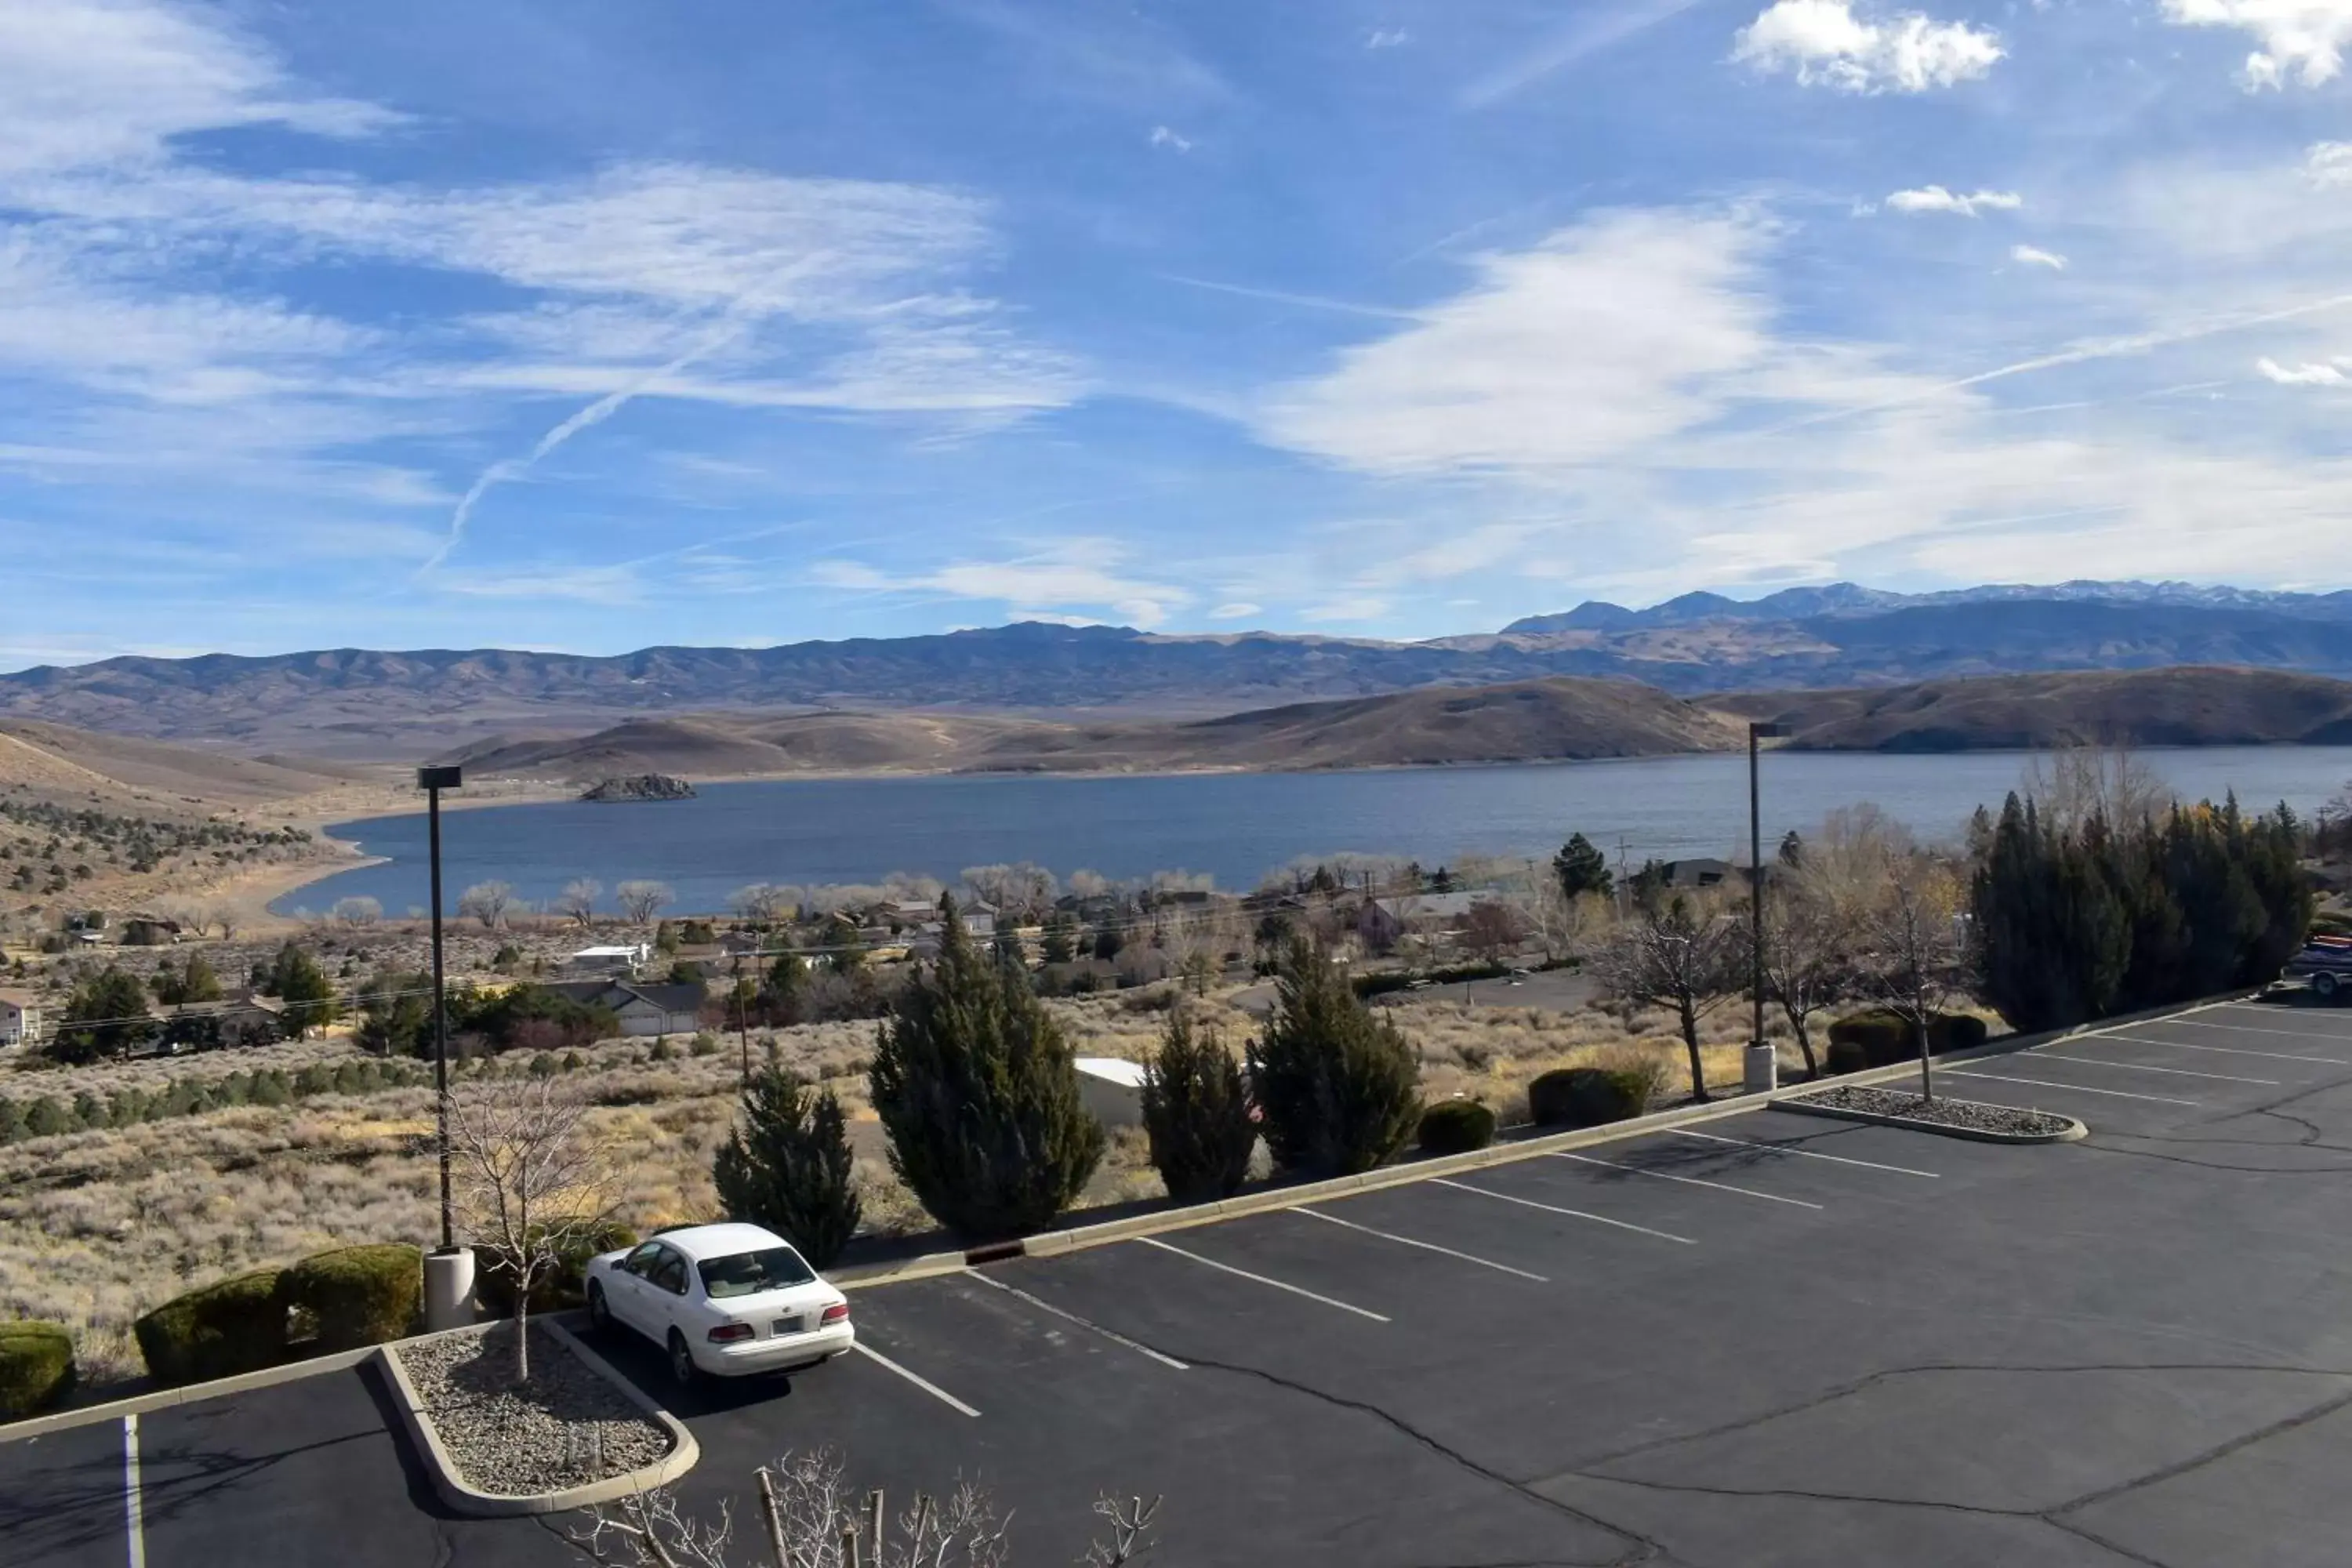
[365, 705]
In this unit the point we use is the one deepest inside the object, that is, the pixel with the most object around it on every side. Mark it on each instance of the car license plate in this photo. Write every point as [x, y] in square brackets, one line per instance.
[787, 1325]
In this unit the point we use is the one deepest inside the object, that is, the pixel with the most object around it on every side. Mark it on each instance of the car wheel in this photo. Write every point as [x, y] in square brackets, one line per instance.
[681, 1359]
[599, 1315]
[2325, 985]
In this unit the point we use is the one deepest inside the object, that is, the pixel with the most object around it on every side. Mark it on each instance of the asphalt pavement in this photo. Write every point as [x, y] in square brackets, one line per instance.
[1767, 1339]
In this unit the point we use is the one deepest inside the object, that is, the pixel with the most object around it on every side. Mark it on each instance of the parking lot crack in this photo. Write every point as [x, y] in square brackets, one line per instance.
[2220, 1451]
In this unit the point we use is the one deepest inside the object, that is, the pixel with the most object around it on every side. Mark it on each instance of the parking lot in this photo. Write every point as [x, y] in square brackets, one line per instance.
[1768, 1339]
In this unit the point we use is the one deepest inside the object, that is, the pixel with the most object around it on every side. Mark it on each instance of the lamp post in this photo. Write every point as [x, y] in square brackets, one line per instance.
[449, 1268]
[1760, 1067]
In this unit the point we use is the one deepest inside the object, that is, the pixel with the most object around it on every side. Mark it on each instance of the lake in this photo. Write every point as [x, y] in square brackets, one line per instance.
[1235, 827]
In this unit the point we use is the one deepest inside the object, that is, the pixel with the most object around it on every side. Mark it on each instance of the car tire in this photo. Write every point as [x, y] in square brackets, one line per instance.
[2324, 985]
[600, 1315]
[681, 1361]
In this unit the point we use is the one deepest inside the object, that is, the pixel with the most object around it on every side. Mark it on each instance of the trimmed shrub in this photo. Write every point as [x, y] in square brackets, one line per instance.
[1196, 1112]
[1845, 1057]
[37, 1368]
[360, 1295]
[557, 1288]
[1337, 1088]
[1588, 1096]
[787, 1166]
[236, 1325]
[1455, 1127]
[1884, 1040]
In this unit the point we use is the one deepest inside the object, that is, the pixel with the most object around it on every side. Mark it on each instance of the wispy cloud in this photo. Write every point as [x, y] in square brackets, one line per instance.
[1079, 574]
[1162, 136]
[1285, 297]
[1828, 42]
[1236, 610]
[2035, 256]
[2301, 374]
[1387, 38]
[1587, 35]
[1936, 199]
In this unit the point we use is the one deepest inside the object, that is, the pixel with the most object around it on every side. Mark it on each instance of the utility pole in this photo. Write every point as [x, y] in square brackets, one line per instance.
[449, 1270]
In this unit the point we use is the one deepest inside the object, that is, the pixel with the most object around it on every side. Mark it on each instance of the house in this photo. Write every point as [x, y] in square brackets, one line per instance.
[247, 1020]
[1699, 873]
[642, 1009]
[20, 1017]
[614, 960]
[1383, 923]
[1111, 1089]
[149, 931]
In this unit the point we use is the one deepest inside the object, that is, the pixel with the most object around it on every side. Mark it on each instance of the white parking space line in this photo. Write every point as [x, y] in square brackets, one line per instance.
[926, 1384]
[1686, 1181]
[132, 1514]
[1259, 1279]
[1113, 1335]
[2221, 1050]
[2255, 1029]
[1802, 1153]
[1555, 1209]
[1424, 1246]
[2069, 1088]
[2142, 1067]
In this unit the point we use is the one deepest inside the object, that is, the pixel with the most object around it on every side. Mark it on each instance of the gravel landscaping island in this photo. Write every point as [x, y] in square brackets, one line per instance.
[1964, 1116]
[568, 1426]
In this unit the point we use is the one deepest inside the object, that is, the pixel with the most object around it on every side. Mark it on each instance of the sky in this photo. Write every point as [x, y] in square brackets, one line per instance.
[601, 324]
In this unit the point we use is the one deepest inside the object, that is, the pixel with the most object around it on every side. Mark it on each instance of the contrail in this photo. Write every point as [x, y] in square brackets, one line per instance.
[2109, 349]
[737, 322]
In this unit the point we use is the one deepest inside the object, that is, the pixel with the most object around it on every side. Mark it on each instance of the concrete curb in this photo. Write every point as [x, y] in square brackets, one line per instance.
[928, 1265]
[459, 1498]
[1803, 1106]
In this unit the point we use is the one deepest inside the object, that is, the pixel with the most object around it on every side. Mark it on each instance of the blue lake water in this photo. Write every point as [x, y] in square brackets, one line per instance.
[1236, 827]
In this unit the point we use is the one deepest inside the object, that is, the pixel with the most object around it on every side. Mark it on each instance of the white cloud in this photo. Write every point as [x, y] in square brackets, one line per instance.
[1936, 199]
[1235, 611]
[2300, 375]
[1387, 38]
[1162, 136]
[1072, 574]
[2300, 39]
[2035, 256]
[2328, 164]
[1825, 43]
[1594, 340]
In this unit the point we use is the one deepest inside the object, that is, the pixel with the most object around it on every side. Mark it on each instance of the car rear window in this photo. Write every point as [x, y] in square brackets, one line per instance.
[749, 1273]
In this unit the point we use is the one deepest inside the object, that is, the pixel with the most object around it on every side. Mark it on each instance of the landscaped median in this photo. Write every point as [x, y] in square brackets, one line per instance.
[576, 1434]
[1943, 1116]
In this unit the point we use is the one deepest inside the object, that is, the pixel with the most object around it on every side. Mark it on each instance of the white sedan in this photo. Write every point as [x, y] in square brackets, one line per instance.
[728, 1299]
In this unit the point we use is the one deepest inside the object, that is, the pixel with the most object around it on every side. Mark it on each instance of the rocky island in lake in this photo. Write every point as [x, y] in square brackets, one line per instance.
[640, 786]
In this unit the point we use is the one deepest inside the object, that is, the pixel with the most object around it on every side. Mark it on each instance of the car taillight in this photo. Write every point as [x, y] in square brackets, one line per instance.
[727, 1333]
[836, 1313]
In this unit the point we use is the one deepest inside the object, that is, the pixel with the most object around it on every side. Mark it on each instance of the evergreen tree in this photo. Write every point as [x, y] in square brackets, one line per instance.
[2053, 939]
[296, 980]
[977, 1088]
[781, 996]
[106, 1016]
[1060, 944]
[1337, 1089]
[787, 1166]
[397, 1014]
[1582, 870]
[1196, 1112]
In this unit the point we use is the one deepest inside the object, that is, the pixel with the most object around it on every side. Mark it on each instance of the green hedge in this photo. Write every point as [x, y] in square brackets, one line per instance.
[1587, 1097]
[554, 1290]
[236, 1325]
[1879, 1038]
[1455, 1127]
[36, 1367]
[360, 1295]
[1386, 981]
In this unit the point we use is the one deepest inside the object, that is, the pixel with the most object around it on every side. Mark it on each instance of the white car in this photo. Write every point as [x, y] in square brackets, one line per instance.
[727, 1300]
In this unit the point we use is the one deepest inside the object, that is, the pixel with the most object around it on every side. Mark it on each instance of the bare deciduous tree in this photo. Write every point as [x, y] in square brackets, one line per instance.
[1493, 929]
[1808, 955]
[357, 911]
[762, 901]
[486, 902]
[811, 1519]
[1678, 954]
[2074, 784]
[577, 902]
[641, 901]
[532, 1182]
[1914, 958]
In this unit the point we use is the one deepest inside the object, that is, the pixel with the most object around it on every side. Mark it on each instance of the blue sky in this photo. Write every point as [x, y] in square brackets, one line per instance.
[592, 325]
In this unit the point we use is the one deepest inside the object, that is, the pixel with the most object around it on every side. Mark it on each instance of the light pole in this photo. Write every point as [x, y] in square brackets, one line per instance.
[449, 1268]
[1760, 1066]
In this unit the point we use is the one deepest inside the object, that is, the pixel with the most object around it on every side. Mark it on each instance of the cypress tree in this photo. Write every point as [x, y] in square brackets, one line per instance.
[1196, 1111]
[1337, 1089]
[787, 1166]
[979, 1093]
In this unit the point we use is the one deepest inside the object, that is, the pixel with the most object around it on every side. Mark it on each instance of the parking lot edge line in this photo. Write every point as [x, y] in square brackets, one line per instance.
[133, 1514]
[2224, 1050]
[1573, 1213]
[2070, 1088]
[926, 1384]
[1045, 1306]
[1424, 1246]
[1805, 1153]
[2169, 1072]
[2242, 1029]
[1262, 1279]
[1688, 1181]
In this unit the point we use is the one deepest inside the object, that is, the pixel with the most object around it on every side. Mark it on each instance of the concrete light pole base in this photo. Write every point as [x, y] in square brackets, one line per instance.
[1759, 1069]
[448, 1289]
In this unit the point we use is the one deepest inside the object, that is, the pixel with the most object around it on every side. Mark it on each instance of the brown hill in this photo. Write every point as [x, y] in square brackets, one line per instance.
[2192, 706]
[719, 745]
[52, 760]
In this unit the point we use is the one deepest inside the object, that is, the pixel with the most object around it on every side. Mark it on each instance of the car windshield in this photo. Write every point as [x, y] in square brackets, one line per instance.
[749, 1273]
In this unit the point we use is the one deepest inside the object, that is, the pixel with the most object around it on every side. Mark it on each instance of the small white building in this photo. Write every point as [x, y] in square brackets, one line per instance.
[618, 959]
[1112, 1090]
[20, 1018]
